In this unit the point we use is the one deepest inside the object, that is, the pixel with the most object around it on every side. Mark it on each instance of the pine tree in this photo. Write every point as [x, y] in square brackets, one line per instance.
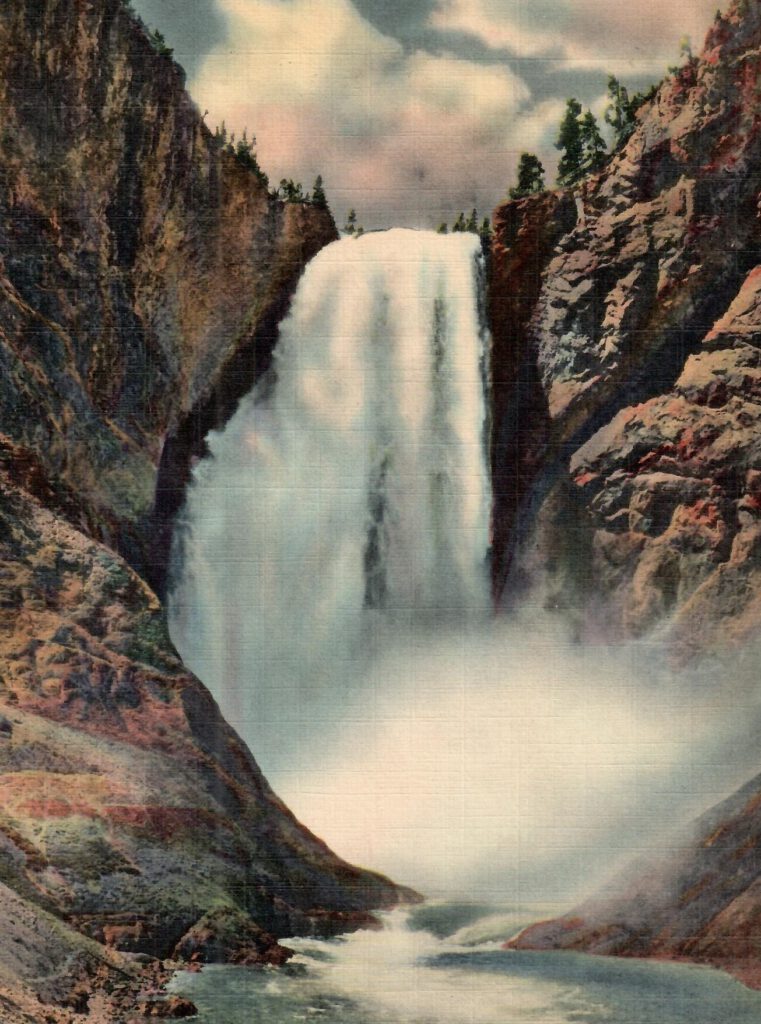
[571, 145]
[319, 199]
[459, 224]
[485, 232]
[619, 114]
[594, 150]
[471, 224]
[442, 228]
[530, 177]
[351, 222]
[640, 98]
[220, 136]
[159, 44]
[291, 191]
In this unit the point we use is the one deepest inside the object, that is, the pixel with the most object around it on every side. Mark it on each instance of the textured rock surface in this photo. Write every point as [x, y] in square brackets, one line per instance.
[626, 367]
[229, 936]
[142, 270]
[59, 966]
[128, 806]
[702, 904]
[627, 447]
[142, 275]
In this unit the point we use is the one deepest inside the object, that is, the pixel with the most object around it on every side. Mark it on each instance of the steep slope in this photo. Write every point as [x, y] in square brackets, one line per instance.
[129, 806]
[627, 448]
[626, 321]
[703, 903]
[143, 271]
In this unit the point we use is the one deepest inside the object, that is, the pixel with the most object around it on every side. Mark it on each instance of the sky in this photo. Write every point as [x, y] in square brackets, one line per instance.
[414, 109]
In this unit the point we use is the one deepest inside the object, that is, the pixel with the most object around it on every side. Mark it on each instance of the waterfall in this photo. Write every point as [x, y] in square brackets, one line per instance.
[348, 497]
[330, 588]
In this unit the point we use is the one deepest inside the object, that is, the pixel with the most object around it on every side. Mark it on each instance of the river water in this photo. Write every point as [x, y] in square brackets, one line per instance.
[424, 969]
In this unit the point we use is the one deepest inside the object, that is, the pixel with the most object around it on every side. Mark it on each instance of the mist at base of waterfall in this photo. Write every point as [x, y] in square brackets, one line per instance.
[331, 589]
[409, 974]
[509, 764]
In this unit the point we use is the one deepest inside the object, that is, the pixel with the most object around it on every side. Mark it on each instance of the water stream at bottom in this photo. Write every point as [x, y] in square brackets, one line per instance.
[443, 964]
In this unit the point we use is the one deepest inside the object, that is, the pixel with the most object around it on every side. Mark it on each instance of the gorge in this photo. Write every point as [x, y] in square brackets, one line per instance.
[595, 381]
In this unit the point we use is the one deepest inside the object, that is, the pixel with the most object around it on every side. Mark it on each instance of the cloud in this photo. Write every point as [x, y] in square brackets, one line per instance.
[326, 92]
[619, 37]
[413, 110]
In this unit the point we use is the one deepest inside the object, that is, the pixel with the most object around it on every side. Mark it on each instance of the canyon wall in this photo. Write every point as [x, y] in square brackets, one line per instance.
[626, 451]
[626, 317]
[143, 271]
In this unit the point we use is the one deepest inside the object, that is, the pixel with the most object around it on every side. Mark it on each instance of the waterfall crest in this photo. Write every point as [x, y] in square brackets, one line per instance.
[348, 497]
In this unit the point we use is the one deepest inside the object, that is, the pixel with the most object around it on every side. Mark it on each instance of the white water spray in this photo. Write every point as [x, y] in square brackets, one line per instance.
[349, 493]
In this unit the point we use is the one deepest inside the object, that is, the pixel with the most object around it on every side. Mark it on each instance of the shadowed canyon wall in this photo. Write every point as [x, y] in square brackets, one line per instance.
[144, 269]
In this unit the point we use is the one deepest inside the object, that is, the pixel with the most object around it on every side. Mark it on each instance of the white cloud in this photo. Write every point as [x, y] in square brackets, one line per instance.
[412, 137]
[325, 92]
[636, 36]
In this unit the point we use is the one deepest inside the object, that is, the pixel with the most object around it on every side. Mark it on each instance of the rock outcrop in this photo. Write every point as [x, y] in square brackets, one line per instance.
[626, 322]
[703, 903]
[143, 271]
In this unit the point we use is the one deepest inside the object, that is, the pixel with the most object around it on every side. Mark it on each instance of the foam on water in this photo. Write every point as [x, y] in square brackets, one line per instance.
[403, 975]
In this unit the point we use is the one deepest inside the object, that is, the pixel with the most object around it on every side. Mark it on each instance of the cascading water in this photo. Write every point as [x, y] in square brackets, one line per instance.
[349, 494]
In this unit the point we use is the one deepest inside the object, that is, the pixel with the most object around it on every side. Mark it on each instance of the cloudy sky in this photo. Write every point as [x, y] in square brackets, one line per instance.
[414, 109]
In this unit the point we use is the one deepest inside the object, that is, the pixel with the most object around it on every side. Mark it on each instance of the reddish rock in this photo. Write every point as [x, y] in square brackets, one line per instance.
[626, 346]
[229, 936]
[701, 903]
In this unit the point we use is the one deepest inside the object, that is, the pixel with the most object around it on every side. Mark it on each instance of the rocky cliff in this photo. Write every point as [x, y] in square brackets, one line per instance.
[703, 903]
[627, 447]
[143, 271]
[626, 319]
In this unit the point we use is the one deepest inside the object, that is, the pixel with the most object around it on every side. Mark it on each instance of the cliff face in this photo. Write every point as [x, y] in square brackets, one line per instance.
[142, 270]
[142, 275]
[626, 320]
[627, 446]
[701, 904]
